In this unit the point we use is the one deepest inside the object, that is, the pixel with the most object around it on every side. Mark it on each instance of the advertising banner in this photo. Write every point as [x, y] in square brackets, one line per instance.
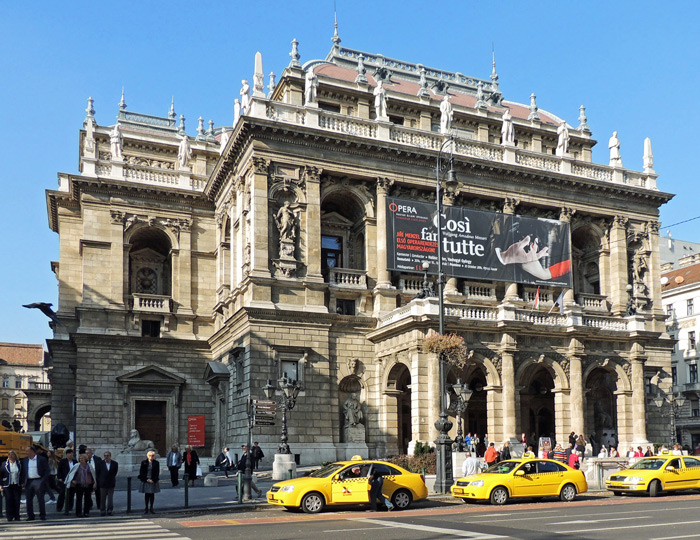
[478, 245]
[195, 430]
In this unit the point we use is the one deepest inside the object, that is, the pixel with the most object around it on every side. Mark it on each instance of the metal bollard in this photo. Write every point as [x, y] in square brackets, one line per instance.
[128, 495]
[290, 473]
[186, 479]
[239, 477]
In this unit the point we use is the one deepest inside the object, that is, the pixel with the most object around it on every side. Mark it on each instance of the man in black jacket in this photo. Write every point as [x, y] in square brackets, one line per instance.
[505, 452]
[64, 467]
[107, 480]
[35, 470]
[94, 463]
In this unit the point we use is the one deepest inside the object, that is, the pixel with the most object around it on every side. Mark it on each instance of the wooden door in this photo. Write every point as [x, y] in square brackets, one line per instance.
[150, 423]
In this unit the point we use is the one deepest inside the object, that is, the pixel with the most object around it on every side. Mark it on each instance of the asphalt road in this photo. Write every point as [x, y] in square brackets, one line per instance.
[672, 517]
[593, 516]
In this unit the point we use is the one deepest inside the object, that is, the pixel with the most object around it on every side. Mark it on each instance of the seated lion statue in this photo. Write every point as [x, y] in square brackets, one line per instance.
[136, 443]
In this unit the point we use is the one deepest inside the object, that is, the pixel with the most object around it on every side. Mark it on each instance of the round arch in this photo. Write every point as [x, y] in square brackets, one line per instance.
[398, 405]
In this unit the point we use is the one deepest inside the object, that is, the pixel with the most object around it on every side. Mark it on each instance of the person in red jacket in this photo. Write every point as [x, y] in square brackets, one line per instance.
[491, 455]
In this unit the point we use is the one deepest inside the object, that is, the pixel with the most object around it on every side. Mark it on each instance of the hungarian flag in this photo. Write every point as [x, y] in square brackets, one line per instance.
[537, 299]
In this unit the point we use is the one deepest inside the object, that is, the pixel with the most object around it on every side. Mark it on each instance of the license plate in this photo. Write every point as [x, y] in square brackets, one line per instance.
[459, 490]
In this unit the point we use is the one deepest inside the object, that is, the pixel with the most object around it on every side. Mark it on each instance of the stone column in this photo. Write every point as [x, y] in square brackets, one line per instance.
[383, 277]
[654, 277]
[260, 258]
[576, 393]
[119, 268]
[508, 384]
[313, 222]
[184, 272]
[618, 265]
[639, 429]
[233, 246]
[509, 208]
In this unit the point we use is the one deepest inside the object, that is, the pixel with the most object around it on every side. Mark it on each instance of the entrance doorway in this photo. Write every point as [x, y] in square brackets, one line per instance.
[537, 405]
[149, 420]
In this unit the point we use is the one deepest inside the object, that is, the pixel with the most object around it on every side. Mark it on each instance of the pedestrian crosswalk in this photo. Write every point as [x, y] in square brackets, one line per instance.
[88, 529]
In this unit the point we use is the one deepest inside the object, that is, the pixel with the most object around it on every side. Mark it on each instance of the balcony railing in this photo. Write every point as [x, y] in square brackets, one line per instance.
[595, 302]
[152, 303]
[691, 387]
[347, 278]
[44, 386]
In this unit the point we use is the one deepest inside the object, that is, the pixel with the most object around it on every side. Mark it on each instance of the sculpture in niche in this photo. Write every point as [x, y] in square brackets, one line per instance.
[286, 223]
[352, 410]
[639, 265]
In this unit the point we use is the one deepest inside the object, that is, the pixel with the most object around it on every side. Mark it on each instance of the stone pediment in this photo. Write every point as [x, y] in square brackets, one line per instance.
[147, 255]
[334, 219]
[215, 372]
[151, 375]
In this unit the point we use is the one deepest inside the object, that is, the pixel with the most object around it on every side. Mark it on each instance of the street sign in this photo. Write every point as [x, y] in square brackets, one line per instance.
[264, 412]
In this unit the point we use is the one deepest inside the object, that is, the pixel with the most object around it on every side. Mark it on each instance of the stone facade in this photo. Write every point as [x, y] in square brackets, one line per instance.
[186, 282]
[25, 391]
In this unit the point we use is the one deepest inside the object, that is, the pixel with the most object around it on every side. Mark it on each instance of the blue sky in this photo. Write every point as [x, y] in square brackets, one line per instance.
[633, 64]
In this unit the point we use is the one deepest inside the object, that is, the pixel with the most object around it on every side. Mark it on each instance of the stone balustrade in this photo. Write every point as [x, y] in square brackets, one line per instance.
[151, 303]
[594, 302]
[347, 278]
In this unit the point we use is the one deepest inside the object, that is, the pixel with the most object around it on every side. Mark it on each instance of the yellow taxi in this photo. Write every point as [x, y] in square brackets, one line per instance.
[655, 474]
[526, 477]
[347, 482]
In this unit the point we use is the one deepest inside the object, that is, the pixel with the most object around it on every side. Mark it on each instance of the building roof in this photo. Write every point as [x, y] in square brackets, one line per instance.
[672, 250]
[19, 354]
[680, 277]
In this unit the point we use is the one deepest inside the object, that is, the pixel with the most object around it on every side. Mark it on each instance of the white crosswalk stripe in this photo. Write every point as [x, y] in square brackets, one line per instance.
[87, 529]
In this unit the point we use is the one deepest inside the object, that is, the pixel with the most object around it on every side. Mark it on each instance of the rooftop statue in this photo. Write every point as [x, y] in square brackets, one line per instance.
[115, 143]
[311, 86]
[562, 140]
[446, 114]
[184, 152]
[507, 131]
[380, 100]
[245, 96]
[614, 145]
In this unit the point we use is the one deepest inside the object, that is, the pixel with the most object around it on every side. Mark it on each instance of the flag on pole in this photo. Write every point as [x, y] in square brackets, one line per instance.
[559, 302]
[537, 299]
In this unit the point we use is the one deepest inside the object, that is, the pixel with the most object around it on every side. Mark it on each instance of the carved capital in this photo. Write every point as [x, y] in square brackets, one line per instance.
[620, 222]
[566, 213]
[384, 185]
[652, 227]
[117, 216]
[312, 174]
[510, 204]
[260, 165]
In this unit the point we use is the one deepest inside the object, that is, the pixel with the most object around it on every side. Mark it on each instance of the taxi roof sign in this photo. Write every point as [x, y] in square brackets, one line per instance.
[356, 458]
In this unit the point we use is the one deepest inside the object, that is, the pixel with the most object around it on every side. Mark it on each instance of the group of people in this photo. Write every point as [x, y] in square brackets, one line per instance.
[75, 481]
[87, 481]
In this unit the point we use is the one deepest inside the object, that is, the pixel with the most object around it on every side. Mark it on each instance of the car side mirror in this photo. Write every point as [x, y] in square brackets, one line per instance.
[519, 472]
[671, 468]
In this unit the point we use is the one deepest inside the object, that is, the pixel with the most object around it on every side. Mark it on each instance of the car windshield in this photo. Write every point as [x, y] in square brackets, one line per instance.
[326, 470]
[649, 464]
[504, 467]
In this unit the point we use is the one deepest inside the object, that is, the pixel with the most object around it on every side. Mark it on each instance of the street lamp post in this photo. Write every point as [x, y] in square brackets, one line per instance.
[290, 391]
[443, 444]
[463, 394]
[676, 402]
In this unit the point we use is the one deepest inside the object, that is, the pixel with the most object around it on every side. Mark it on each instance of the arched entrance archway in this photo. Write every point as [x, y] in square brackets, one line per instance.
[537, 404]
[399, 385]
[601, 407]
[475, 417]
[42, 418]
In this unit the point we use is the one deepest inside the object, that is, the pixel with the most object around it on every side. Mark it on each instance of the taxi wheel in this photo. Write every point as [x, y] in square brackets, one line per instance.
[617, 493]
[568, 493]
[401, 499]
[655, 488]
[499, 496]
[312, 503]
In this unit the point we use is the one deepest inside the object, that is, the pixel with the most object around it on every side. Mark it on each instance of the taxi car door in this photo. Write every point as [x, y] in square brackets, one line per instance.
[390, 475]
[526, 485]
[672, 474]
[348, 488]
[692, 472]
[551, 476]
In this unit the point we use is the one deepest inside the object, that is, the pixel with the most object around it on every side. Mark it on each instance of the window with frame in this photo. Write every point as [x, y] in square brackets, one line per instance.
[669, 310]
[691, 340]
[331, 252]
[18, 383]
[6, 382]
[695, 408]
[689, 305]
[674, 376]
[693, 373]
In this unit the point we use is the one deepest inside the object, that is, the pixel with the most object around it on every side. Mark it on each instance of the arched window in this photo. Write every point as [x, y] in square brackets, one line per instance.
[150, 268]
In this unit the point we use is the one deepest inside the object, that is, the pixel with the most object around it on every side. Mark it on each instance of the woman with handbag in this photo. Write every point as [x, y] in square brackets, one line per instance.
[82, 479]
[191, 461]
[11, 480]
[149, 474]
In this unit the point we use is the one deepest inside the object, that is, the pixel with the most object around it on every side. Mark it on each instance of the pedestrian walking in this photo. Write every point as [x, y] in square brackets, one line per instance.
[66, 494]
[11, 481]
[149, 474]
[174, 462]
[35, 471]
[471, 465]
[82, 478]
[376, 482]
[191, 461]
[51, 485]
[93, 462]
[257, 454]
[505, 451]
[491, 455]
[107, 480]
[243, 463]
[223, 461]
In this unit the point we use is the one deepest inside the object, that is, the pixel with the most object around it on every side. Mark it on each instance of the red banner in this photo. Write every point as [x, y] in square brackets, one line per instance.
[195, 430]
